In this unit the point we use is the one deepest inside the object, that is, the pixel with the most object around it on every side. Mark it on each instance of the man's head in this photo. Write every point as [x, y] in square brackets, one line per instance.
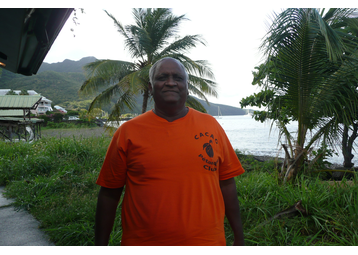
[168, 83]
[155, 65]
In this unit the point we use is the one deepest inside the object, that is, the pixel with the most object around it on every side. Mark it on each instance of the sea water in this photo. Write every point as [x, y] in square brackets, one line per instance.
[255, 138]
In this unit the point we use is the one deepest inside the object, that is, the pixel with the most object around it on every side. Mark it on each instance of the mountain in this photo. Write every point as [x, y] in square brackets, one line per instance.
[61, 81]
[67, 66]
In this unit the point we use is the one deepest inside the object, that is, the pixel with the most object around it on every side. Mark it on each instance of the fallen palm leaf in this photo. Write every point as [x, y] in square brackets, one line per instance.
[292, 211]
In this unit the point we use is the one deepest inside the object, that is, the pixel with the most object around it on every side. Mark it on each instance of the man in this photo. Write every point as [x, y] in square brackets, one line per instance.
[178, 168]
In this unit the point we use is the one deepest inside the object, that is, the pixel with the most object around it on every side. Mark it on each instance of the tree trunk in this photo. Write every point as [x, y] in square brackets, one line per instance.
[145, 100]
[347, 145]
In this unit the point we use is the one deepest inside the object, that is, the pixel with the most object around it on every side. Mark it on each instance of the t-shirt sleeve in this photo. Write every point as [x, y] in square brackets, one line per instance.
[230, 165]
[114, 169]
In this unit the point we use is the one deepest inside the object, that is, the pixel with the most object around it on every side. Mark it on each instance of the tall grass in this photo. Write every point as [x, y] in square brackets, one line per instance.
[54, 179]
[332, 210]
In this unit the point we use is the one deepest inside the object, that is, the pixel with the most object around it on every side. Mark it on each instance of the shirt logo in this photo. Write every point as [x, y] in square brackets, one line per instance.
[210, 163]
[209, 149]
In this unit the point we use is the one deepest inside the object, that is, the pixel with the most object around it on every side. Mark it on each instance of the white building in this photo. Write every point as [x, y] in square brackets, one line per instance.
[42, 108]
[59, 108]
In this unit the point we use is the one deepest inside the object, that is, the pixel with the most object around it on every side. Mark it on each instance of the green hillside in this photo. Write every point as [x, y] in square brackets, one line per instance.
[58, 87]
[61, 81]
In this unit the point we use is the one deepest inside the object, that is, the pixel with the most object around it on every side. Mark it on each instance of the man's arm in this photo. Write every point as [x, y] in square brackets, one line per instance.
[105, 214]
[232, 209]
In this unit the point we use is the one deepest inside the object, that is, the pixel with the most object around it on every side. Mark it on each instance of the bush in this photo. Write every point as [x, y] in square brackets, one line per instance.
[73, 113]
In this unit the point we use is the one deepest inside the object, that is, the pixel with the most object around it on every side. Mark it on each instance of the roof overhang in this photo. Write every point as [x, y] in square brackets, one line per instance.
[26, 36]
[16, 102]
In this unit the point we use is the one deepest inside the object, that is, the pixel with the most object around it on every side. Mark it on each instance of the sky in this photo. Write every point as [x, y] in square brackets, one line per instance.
[233, 33]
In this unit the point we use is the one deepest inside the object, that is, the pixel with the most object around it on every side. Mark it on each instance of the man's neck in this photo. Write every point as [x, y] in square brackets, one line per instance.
[171, 114]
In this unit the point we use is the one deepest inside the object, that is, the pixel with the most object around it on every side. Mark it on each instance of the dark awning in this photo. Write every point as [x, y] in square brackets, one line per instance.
[26, 36]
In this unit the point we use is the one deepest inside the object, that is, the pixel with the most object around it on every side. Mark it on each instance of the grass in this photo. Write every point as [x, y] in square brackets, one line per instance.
[54, 179]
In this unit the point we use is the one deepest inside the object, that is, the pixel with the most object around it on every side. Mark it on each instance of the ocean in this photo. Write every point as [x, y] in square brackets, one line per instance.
[253, 137]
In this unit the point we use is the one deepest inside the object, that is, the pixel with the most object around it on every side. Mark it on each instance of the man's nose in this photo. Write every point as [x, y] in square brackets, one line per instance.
[171, 81]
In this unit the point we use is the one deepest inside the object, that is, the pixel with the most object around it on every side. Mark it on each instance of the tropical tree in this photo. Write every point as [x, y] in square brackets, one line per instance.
[309, 76]
[11, 92]
[152, 37]
[24, 92]
[348, 139]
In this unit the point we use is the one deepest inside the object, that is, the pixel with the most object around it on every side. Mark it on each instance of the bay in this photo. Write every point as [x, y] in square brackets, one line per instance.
[253, 137]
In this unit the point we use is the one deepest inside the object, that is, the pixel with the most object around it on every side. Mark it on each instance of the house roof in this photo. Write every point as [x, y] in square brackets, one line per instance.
[44, 99]
[27, 35]
[14, 102]
[12, 113]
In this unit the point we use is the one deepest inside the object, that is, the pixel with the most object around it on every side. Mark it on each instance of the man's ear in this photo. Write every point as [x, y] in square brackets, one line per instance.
[150, 89]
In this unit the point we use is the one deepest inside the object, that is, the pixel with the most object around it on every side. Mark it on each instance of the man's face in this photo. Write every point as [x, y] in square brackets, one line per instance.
[169, 86]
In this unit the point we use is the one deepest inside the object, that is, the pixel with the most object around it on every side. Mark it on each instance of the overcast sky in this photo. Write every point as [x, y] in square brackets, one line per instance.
[233, 33]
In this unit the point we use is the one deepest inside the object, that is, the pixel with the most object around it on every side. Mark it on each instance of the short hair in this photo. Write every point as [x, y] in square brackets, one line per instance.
[155, 65]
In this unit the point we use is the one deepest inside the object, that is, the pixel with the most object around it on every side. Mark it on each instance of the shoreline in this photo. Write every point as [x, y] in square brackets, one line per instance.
[333, 166]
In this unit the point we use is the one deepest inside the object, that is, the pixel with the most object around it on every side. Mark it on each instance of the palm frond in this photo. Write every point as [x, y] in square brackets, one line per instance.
[138, 80]
[122, 87]
[104, 73]
[126, 100]
[195, 91]
[195, 104]
[183, 44]
[204, 85]
[130, 42]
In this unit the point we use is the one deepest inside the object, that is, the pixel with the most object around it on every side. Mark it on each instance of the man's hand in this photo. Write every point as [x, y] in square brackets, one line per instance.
[105, 214]
[232, 209]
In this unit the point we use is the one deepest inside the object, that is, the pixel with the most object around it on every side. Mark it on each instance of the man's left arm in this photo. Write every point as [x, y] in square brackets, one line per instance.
[232, 209]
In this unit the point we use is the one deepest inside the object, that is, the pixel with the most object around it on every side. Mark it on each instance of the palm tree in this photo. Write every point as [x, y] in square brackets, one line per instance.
[309, 76]
[147, 41]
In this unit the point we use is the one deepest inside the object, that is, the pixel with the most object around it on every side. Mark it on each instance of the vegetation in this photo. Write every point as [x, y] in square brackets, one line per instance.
[11, 93]
[309, 76]
[59, 120]
[54, 179]
[149, 40]
[23, 92]
[58, 87]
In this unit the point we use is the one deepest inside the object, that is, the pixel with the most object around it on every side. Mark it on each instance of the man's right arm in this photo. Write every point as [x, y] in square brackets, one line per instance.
[105, 214]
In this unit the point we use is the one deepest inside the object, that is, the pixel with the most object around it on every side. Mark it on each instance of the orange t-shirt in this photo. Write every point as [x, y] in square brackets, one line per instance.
[171, 171]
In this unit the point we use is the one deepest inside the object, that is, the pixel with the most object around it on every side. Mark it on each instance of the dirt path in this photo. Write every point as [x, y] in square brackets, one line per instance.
[77, 132]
